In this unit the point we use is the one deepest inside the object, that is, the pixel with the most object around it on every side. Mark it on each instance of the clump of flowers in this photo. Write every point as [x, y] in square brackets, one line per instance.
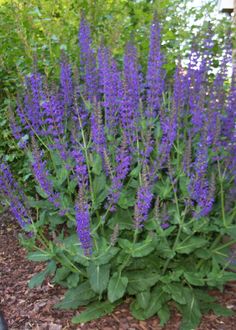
[131, 176]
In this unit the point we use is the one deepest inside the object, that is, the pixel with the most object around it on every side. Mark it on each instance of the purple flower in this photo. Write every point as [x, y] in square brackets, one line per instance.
[83, 223]
[15, 196]
[142, 206]
[131, 78]
[80, 167]
[123, 160]
[155, 72]
[66, 82]
[97, 130]
[110, 82]
[41, 174]
[87, 62]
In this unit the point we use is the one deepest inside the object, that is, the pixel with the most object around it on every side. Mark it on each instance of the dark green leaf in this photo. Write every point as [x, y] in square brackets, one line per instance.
[143, 298]
[116, 287]
[141, 280]
[93, 312]
[77, 297]
[190, 245]
[194, 279]
[164, 314]
[98, 276]
[73, 280]
[39, 256]
[97, 164]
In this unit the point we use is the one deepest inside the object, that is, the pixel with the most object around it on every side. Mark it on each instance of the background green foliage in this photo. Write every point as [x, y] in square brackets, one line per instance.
[40, 29]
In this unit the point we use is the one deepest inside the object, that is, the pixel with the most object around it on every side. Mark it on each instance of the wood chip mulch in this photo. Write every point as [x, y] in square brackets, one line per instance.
[26, 308]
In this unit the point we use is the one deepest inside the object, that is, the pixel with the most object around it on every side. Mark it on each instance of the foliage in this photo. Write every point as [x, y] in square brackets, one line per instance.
[41, 29]
[134, 172]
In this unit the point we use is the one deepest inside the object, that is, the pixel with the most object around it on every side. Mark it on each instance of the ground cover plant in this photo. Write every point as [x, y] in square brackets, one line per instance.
[134, 179]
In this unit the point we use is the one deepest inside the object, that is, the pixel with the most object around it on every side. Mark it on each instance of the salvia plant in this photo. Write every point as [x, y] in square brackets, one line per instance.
[134, 180]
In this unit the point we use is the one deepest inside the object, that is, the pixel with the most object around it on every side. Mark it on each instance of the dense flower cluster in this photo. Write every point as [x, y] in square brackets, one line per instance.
[120, 137]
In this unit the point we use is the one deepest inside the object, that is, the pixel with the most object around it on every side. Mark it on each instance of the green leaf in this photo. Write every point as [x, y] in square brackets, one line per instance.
[61, 274]
[157, 300]
[97, 164]
[38, 279]
[116, 287]
[77, 297]
[105, 257]
[190, 245]
[221, 310]
[176, 292]
[142, 249]
[73, 280]
[141, 280]
[93, 312]
[41, 192]
[39, 256]
[98, 276]
[127, 199]
[123, 218]
[164, 314]
[143, 298]
[191, 314]
[194, 278]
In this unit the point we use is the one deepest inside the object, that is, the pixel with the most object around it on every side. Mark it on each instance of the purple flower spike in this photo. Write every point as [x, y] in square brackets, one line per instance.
[143, 204]
[12, 192]
[87, 62]
[155, 72]
[83, 223]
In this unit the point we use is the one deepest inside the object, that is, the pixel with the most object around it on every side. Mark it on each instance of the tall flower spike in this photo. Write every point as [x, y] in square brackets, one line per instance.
[41, 175]
[155, 72]
[66, 81]
[83, 223]
[110, 83]
[143, 202]
[131, 76]
[87, 61]
[123, 160]
[15, 196]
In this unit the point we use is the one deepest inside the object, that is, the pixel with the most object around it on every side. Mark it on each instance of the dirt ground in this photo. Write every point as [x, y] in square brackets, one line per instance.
[26, 308]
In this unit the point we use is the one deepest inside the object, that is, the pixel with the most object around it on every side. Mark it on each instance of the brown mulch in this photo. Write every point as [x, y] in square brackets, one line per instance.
[26, 308]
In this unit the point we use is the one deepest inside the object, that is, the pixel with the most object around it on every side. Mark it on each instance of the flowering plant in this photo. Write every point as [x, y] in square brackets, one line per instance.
[134, 180]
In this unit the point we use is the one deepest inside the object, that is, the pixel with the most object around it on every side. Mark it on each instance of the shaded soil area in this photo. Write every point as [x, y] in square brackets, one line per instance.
[26, 308]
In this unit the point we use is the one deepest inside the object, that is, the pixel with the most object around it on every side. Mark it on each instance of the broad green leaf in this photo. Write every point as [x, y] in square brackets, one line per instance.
[41, 192]
[141, 280]
[157, 300]
[39, 256]
[61, 274]
[73, 280]
[176, 292]
[194, 279]
[77, 297]
[143, 298]
[127, 199]
[116, 287]
[143, 249]
[221, 310]
[97, 164]
[191, 314]
[98, 276]
[190, 245]
[123, 218]
[105, 257]
[164, 314]
[93, 312]
[38, 279]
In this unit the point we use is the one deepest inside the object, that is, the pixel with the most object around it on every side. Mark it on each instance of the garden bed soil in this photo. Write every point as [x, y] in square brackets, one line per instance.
[26, 308]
